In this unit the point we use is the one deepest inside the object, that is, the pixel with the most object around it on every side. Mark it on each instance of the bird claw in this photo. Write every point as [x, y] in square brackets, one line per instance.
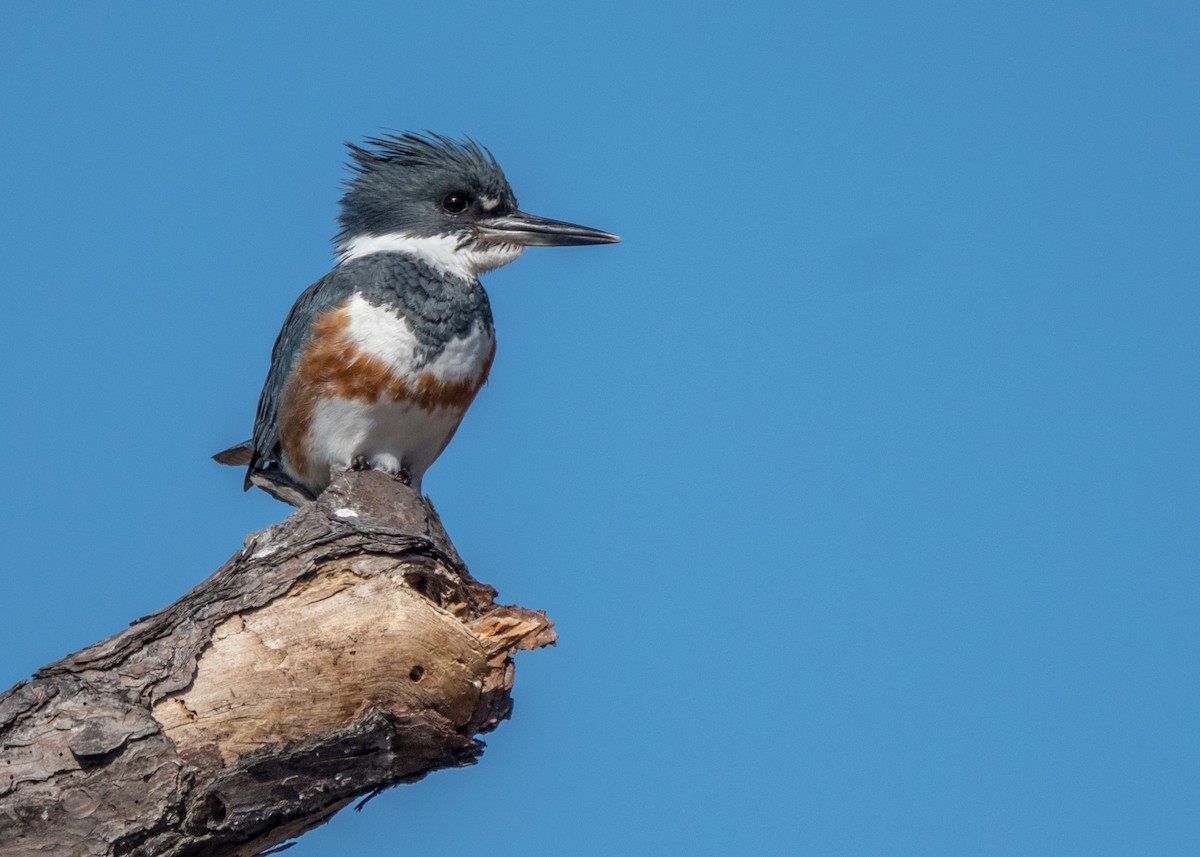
[360, 463]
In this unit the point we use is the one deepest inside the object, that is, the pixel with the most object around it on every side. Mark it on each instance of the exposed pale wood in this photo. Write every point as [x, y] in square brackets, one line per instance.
[344, 650]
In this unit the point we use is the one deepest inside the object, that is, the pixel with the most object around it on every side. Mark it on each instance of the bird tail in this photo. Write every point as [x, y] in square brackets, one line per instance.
[236, 456]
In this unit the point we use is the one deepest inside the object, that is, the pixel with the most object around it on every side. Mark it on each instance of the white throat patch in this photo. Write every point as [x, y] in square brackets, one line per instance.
[446, 253]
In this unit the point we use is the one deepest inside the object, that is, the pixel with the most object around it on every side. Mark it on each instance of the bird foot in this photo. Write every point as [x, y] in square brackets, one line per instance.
[360, 463]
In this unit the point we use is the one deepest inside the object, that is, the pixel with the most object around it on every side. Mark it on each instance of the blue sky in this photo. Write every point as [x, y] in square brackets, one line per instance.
[861, 479]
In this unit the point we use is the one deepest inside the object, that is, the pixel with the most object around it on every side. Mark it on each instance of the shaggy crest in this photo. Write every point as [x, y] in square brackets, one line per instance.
[399, 179]
[419, 150]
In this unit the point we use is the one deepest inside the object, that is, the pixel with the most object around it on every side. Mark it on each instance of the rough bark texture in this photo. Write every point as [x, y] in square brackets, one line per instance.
[344, 650]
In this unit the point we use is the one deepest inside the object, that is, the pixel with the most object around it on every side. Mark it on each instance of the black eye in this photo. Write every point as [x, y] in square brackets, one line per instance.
[455, 203]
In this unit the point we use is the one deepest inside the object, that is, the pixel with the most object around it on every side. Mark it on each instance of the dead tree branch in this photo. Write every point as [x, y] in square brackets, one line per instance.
[344, 650]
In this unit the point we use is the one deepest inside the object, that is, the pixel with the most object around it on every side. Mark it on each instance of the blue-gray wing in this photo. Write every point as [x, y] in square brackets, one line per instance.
[326, 293]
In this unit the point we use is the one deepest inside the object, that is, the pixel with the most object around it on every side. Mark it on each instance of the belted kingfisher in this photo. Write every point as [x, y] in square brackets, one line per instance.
[379, 360]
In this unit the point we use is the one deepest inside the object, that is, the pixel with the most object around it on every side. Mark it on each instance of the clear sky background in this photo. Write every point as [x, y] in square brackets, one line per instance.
[862, 479]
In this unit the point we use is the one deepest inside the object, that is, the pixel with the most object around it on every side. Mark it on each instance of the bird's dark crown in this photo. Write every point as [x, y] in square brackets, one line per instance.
[421, 185]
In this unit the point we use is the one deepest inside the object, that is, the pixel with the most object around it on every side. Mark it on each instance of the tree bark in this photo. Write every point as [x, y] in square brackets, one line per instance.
[344, 650]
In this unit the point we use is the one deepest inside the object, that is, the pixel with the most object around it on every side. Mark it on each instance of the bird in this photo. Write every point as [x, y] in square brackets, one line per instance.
[378, 361]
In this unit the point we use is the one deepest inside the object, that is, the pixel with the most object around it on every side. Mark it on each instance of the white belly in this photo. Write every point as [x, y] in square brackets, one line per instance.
[390, 436]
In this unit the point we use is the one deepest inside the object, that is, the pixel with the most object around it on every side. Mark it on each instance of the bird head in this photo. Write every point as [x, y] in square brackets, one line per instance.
[444, 200]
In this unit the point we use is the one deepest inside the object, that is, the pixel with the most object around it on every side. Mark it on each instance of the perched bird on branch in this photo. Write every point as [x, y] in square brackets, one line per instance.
[379, 360]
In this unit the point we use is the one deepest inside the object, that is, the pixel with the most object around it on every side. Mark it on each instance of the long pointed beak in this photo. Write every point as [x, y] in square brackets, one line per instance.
[533, 231]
